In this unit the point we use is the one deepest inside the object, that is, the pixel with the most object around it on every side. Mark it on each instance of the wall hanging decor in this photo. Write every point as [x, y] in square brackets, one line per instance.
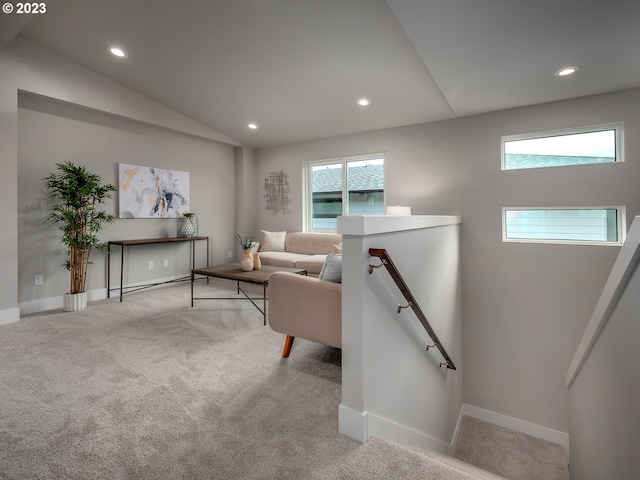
[277, 189]
[150, 192]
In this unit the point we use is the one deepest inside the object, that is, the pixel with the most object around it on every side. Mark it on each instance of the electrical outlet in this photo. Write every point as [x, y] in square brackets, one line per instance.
[39, 280]
[166, 262]
[150, 265]
[230, 254]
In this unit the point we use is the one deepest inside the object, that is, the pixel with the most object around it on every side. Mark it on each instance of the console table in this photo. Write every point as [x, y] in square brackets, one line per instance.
[150, 241]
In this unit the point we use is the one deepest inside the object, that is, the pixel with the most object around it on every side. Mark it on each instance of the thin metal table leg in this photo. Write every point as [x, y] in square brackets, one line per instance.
[192, 278]
[264, 301]
[192, 251]
[109, 270]
[121, 269]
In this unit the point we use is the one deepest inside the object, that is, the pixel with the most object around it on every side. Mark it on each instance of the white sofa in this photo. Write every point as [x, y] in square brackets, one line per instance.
[298, 249]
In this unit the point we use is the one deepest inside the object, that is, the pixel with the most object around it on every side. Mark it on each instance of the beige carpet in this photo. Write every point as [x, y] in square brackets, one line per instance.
[512, 454]
[154, 389]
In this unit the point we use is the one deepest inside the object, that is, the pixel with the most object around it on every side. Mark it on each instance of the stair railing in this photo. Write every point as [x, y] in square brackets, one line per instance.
[386, 261]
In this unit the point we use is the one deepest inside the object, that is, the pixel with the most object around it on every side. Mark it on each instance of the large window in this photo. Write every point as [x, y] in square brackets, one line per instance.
[343, 186]
[576, 146]
[585, 225]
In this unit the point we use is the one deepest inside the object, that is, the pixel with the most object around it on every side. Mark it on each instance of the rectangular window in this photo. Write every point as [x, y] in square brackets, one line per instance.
[343, 186]
[576, 146]
[584, 225]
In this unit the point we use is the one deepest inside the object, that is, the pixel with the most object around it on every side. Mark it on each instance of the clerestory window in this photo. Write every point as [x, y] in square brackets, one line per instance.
[581, 225]
[559, 148]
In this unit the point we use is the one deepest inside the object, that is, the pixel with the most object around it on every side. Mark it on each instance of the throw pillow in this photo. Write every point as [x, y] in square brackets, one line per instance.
[332, 269]
[337, 249]
[272, 241]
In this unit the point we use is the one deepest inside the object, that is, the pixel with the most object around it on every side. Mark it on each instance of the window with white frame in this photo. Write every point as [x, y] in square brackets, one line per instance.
[577, 225]
[343, 186]
[567, 147]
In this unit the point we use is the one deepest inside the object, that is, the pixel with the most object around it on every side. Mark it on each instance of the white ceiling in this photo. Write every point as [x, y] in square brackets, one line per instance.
[297, 67]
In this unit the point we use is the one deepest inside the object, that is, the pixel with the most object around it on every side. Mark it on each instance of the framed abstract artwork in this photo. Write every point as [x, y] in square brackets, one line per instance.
[150, 192]
[277, 189]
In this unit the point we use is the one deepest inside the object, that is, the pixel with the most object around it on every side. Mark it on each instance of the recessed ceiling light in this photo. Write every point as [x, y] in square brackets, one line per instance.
[118, 52]
[566, 71]
[252, 126]
[363, 102]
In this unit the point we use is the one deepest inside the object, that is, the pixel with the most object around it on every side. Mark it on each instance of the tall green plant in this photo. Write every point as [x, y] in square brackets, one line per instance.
[77, 193]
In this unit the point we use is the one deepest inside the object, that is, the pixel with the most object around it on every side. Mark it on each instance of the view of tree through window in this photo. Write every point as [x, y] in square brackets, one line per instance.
[347, 186]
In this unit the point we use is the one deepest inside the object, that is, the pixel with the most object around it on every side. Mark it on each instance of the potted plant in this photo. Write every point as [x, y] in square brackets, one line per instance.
[247, 243]
[76, 195]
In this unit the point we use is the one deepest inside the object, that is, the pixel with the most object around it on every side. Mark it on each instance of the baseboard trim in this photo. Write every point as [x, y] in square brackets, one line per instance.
[360, 426]
[518, 425]
[55, 303]
[405, 436]
[9, 315]
[352, 423]
[458, 426]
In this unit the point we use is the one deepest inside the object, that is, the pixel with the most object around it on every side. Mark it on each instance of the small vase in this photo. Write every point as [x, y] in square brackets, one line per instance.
[246, 264]
[257, 264]
[188, 229]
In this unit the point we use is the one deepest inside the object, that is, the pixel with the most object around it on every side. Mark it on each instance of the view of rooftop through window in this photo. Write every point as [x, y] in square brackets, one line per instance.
[553, 149]
[345, 187]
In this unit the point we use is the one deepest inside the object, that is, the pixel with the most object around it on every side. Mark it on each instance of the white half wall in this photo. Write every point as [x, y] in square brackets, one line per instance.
[604, 380]
[391, 386]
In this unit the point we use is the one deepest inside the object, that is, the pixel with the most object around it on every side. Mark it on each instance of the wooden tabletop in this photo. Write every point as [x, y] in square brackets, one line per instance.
[146, 241]
[232, 271]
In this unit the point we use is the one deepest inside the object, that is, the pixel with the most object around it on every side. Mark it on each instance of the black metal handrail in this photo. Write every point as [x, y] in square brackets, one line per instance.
[382, 254]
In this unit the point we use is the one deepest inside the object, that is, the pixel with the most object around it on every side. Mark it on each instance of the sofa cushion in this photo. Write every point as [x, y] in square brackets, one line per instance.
[281, 259]
[311, 243]
[332, 270]
[273, 241]
[311, 263]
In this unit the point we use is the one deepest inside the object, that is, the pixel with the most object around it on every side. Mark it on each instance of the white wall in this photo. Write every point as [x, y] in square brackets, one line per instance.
[125, 126]
[604, 381]
[100, 142]
[245, 200]
[525, 306]
[391, 386]
[604, 399]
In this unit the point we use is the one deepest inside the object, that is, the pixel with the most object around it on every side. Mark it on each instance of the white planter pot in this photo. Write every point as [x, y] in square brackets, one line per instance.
[74, 302]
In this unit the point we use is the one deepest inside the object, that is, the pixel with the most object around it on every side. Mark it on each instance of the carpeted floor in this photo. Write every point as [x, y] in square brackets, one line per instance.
[509, 453]
[154, 389]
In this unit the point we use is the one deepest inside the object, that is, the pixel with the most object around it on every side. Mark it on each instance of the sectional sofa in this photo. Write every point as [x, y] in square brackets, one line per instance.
[298, 249]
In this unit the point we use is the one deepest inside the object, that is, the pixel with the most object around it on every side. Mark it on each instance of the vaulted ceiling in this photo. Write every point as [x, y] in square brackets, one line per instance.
[297, 67]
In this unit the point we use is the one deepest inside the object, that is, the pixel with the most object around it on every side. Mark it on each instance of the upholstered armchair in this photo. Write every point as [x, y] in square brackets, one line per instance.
[305, 307]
